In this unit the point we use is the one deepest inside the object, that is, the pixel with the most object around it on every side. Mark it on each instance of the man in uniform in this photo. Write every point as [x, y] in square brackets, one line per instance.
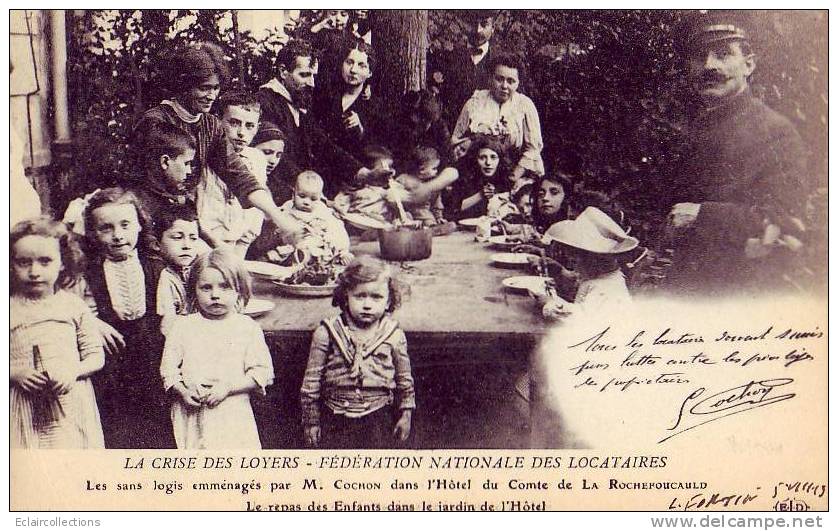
[736, 222]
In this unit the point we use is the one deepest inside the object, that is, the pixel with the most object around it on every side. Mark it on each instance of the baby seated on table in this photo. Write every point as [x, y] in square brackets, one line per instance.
[376, 199]
[324, 235]
[424, 183]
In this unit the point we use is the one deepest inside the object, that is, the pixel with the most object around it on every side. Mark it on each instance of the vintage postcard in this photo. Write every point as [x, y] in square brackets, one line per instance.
[419, 260]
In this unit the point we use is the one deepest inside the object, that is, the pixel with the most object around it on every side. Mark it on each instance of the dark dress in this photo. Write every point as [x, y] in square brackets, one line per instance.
[129, 389]
[213, 149]
[328, 110]
[471, 181]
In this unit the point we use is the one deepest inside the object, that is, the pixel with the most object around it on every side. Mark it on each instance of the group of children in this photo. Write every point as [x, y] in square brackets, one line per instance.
[164, 344]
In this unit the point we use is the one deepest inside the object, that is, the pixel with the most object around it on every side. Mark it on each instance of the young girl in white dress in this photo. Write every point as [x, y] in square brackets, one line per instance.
[215, 358]
[55, 345]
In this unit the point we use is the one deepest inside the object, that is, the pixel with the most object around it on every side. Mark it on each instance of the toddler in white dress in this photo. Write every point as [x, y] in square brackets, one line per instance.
[215, 358]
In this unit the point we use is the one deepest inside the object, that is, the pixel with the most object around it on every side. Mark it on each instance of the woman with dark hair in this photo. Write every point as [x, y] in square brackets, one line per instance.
[343, 104]
[194, 77]
[484, 171]
[503, 112]
[359, 25]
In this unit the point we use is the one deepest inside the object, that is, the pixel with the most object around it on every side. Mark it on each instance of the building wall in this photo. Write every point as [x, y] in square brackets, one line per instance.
[30, 86]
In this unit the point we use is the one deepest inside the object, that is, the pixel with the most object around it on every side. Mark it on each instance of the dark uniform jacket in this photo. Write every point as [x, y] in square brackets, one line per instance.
[744, 164]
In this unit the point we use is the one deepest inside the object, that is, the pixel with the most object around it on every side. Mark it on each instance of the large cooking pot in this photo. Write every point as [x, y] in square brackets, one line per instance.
[405, 243]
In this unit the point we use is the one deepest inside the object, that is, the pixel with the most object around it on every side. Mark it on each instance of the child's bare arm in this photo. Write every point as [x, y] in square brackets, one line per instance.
[425, 189]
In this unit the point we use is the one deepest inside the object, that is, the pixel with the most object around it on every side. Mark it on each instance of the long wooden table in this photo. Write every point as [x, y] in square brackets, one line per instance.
[456, 294]
[468, 336]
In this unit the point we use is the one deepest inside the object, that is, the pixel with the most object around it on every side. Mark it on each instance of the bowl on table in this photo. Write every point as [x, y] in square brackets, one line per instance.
[306, 290]
[469, 223]
[405, 243]
[505, 242]
[267, 270]
[364, 222]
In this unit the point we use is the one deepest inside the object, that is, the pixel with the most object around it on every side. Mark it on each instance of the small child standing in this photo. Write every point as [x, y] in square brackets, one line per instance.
[122, 282]
[324, 235]
[358, 390]
[178, 244]
[54, 344]
[586, 255]
[240, 117]
[215, 358]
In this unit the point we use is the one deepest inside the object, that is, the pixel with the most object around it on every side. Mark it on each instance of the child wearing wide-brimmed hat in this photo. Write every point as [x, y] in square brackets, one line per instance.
[590, 248]
[588, 252]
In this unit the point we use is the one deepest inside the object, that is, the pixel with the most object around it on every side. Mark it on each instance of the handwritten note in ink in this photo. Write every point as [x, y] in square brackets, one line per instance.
[671, 374]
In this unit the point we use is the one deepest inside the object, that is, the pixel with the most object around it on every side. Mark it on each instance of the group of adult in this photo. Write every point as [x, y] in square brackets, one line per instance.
[734, 207]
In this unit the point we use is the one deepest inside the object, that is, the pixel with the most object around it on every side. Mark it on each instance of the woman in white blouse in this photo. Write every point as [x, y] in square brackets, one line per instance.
[501, 111]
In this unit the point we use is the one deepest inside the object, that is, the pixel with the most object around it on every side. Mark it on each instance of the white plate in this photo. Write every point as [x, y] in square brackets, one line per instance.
[268, 270]
[500, 242]
[258, 307]
[532, 284]
[512, 259]
[469, 223]
[306, 290]
[364, 222]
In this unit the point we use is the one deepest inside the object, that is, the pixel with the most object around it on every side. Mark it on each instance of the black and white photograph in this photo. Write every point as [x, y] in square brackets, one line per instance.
[491, 231]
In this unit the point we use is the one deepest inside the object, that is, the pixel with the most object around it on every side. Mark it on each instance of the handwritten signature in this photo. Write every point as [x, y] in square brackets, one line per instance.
[709, 501]
[752, 395]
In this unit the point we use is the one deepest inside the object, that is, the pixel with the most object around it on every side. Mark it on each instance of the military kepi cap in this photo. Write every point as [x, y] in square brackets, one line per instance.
[711, 27]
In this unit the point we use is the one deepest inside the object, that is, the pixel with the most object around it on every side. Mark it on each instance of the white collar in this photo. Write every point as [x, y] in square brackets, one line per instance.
[277, 86]
[478, 57]
[181, 111]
